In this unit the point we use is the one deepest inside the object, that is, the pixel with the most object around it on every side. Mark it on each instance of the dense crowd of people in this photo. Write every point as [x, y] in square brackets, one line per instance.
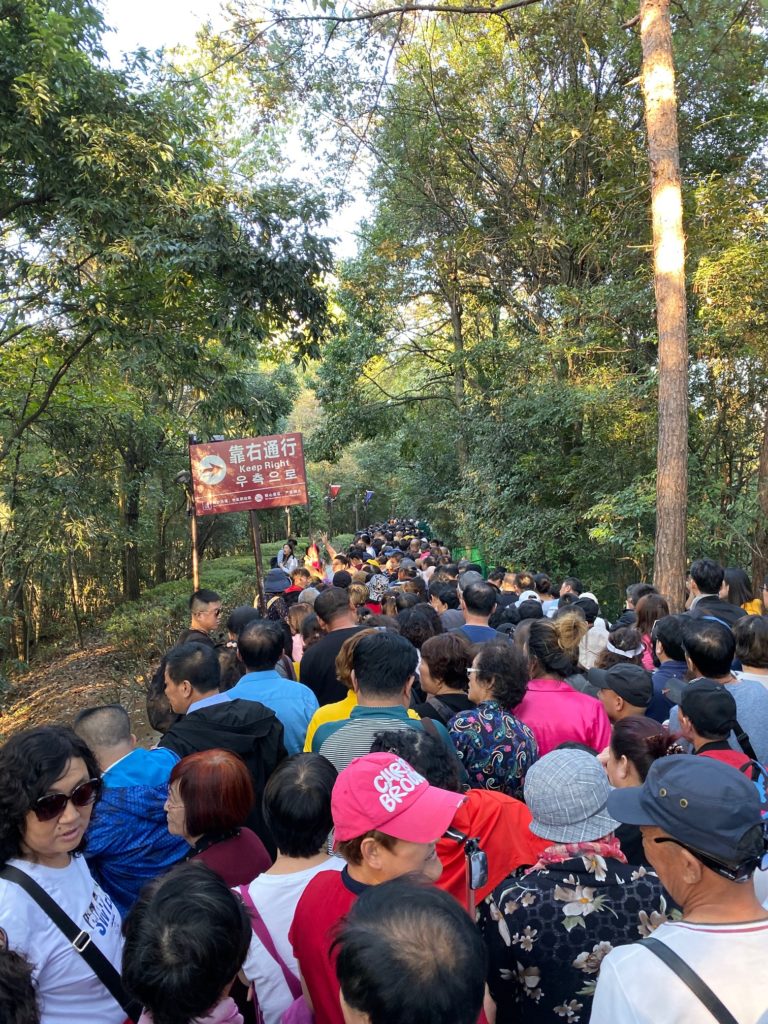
[406, 789]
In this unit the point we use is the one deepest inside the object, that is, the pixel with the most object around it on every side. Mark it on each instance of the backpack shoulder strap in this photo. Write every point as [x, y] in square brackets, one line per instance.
[79, 939]
[445, 712]
[262, 934]
[688, 976]
[744, 741]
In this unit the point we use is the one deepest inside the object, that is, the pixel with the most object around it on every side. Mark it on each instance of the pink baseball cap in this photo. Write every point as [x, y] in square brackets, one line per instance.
[383, 792]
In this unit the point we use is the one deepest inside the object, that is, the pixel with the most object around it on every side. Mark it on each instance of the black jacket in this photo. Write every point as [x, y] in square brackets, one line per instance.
[245, 727]
[711, 606]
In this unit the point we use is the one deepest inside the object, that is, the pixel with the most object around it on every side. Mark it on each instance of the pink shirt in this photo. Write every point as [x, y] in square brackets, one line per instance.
[556, 713]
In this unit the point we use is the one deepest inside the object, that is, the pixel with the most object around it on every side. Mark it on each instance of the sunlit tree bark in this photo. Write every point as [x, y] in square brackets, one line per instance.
[658, 80]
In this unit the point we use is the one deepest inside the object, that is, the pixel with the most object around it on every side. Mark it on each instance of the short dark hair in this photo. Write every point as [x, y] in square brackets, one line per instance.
[332, 603]
[260, 645]
[202, 597]
[240, 617]
[707, 575]
[448, 593]
[416, 586]
[710, 646]
[668, 631]
[480, 598]
[197, 663]
[751, 635]
[185, 940]
[30, 763]
[590, 608]
[423, 752]
[383, 663]
[506, 667]
[18, 992]
[297, 804]
[637, 590]
[381, 966]
[574, 583]
[530, 609]
[216, 789]
[448, 656]
[107, 725]
[505, 615]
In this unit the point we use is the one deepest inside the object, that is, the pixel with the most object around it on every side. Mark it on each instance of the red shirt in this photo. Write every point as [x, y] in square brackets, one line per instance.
[736, 758]
[556, 713]
[501, 824]
[324, 902]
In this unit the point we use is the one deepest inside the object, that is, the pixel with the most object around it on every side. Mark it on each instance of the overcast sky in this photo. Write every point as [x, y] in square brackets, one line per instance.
[166, 23]
[155, 23]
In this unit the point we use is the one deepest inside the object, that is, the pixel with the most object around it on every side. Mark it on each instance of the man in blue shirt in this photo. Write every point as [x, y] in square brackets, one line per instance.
[477, 602]
[128, 839]
[259, 647]
[669, 657]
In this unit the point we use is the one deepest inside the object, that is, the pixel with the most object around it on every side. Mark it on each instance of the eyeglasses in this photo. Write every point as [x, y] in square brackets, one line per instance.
[471, 670]
[737, 873]
[47, 808]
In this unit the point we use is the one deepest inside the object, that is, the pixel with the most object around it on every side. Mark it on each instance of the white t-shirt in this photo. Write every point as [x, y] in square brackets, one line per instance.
[275, 897]
[635, 987]
[68, 990]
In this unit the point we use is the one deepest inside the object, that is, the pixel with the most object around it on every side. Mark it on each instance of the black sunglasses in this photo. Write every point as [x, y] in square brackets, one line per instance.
[49, 807]
[736, 873]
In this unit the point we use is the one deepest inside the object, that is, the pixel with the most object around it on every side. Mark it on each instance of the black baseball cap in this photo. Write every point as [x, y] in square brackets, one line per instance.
[700, 802]
[631, 682]
[710, 707]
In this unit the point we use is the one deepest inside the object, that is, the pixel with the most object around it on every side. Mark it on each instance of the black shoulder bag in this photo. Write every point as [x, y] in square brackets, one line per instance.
[686, 974]
[80, 940]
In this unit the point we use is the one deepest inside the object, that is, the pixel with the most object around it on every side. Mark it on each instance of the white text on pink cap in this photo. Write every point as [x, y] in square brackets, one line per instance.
[395, 783]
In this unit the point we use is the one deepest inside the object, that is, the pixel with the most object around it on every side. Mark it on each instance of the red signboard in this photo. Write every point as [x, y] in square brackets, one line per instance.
[249, 472]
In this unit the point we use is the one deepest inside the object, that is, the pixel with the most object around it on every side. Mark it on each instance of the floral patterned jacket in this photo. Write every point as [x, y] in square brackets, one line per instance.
[496, 748]
[548, 931]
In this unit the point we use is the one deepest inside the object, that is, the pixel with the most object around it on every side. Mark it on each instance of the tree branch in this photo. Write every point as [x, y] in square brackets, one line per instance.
[42, 405]
[409, 9]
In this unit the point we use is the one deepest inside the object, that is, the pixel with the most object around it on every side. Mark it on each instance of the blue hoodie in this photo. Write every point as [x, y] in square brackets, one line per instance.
[128, 842]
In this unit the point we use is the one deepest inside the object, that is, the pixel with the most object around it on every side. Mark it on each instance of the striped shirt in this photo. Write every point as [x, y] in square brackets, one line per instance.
[342, 742]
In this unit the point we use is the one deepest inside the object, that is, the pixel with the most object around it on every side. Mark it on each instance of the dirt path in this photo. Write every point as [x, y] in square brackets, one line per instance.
[60, 686]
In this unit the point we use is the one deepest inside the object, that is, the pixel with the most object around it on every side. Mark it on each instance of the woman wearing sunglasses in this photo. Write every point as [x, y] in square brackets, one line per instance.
[49, 782]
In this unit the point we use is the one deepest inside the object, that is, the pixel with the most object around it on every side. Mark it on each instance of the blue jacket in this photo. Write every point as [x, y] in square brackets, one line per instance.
[293, 703]
[661, 705]
[128, 843]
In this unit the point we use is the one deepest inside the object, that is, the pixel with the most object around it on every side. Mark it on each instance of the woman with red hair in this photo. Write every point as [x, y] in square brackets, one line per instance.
[210, 795]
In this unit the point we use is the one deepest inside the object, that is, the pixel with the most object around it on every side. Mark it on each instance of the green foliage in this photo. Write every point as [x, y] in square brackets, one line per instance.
[150, 626]
[149, 289]
[496, 351]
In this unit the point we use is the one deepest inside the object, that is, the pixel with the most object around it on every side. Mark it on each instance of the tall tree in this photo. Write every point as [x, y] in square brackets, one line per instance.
[671, 309]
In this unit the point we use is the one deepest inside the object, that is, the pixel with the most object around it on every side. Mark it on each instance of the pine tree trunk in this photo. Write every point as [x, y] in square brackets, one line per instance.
[669, 283]
[760, 546]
